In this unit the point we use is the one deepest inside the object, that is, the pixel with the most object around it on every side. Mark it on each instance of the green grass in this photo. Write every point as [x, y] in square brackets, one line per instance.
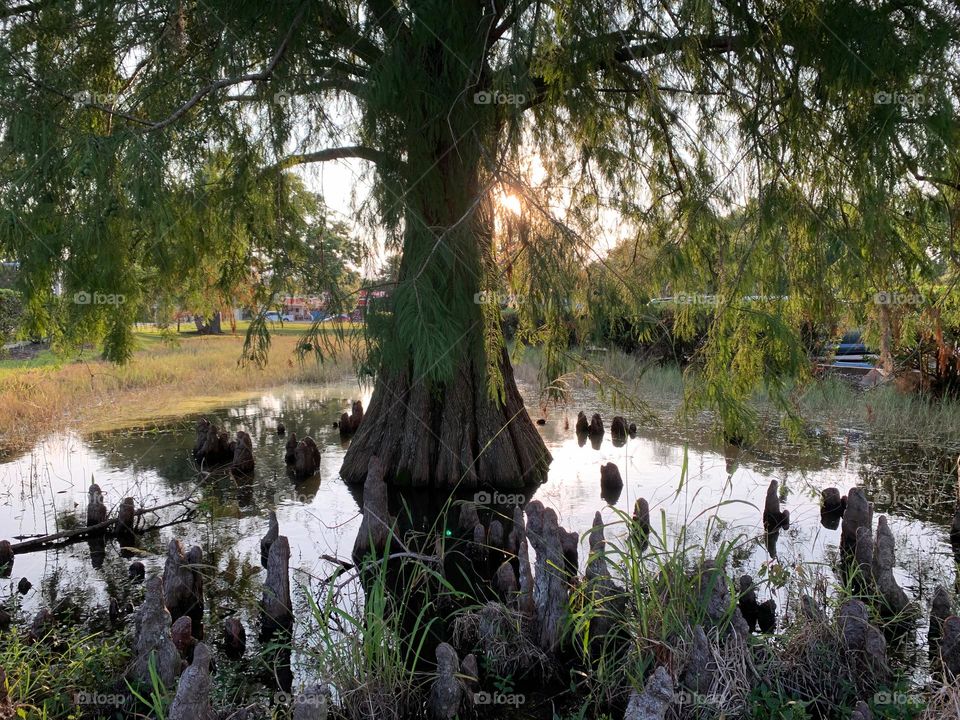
[830, 401]
[45, 678]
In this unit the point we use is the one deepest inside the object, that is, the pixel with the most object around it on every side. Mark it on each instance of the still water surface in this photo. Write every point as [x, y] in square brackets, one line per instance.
[711, 491]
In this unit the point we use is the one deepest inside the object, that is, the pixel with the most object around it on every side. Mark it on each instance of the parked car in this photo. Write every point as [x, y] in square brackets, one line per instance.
[850, 354]
[274, 316]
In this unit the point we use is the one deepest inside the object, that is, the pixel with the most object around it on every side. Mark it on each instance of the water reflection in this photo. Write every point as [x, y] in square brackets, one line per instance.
[686, 477]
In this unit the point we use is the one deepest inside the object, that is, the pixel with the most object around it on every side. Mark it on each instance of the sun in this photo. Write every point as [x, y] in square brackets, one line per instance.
[511, 203]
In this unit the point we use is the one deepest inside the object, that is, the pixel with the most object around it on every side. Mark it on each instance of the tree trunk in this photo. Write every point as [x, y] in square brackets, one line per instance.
[209, 326]
[455, 437]
[432, 419]
[886, 340]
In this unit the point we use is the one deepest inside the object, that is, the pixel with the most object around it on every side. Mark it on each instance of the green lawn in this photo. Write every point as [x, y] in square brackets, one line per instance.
[149, 336]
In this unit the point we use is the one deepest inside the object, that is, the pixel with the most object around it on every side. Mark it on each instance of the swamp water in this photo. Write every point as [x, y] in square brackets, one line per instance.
[702, 490]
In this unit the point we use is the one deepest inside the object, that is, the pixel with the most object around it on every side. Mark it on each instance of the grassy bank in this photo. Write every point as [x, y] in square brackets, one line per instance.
[831, 401]
[48, 393]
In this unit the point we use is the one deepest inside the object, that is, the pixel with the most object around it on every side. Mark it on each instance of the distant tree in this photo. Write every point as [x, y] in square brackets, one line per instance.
[11, 314]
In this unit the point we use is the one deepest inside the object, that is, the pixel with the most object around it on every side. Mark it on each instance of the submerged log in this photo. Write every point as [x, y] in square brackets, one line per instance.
[955, 534]
[375, 528]
[596, 426]
[747, 602]
[618, 431]
[582, 427]
[774, 519]
[654, 701]
[243, 461]
[831, 501]
[950, 647]
[858, 514]
[600, 586]
[699, 669]
[153, 638]
[640, 527]
[183, 584]
[551, 579]
[767, 616]
[290, 456]
[349, 424]
[212, 446]
[181, 632]
[715, 598]
[518, 537]
[884, 557]
[495, 535]
[505, 582]
[864, 644]
[618, 427]
[517, 531]
[275, 608]
[610, 481]
[306, 459]
[446, 692]
[273, 531]
[126, 517]
[192, 701]
[469, 519]
[941, 607]
[6, 558]
[234, 638]
[108, 526]
[96, 510]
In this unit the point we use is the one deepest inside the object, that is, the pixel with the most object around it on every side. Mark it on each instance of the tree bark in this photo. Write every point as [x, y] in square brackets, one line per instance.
[208, 326]
[432, 420]
[456, 436]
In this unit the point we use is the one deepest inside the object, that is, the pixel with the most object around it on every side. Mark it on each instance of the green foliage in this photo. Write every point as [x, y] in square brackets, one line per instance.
[767, 704]
[43, 678]
[804, 154]
[11, 314]
[156, 697]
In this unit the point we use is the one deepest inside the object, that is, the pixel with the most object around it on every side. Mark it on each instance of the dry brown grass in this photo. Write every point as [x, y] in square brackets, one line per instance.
[160, 379]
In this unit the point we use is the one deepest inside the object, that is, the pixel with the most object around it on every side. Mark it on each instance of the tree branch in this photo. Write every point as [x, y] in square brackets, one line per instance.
[338, 153]
[227, 82]
[20, 10]
[946, 182]
[626, 54]
[388, 17]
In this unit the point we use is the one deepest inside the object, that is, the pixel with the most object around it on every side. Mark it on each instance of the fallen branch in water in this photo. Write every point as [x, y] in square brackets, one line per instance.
[44, 542]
